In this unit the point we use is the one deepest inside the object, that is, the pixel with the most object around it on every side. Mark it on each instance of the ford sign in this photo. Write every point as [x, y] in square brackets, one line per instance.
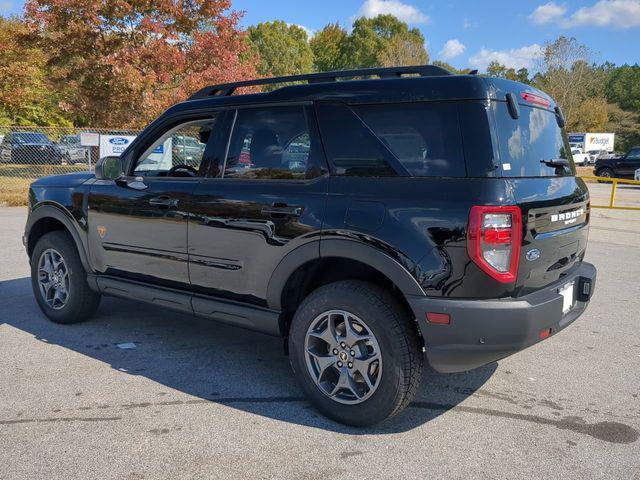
[118, 141]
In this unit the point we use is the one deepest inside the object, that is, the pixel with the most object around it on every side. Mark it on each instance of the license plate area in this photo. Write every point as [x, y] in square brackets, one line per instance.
[567, 292]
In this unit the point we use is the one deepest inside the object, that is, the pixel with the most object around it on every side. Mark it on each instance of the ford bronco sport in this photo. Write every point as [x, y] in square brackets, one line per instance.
[401, 216]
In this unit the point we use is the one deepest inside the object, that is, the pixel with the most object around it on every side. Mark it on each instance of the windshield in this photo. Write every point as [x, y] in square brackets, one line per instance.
[533, 145]
[28, 137]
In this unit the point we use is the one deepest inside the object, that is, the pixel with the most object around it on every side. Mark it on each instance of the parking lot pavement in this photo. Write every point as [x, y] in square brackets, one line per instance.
[194, 399]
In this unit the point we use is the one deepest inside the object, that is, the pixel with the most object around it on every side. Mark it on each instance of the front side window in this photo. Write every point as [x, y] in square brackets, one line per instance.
[178, 152]
[634, 154]
[274, 143]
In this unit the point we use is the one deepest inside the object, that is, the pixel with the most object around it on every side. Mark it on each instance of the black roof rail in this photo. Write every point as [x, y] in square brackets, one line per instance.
[227, 89]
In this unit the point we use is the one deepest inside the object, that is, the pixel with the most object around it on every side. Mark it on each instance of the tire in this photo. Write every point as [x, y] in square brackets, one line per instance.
[604, 173]
[398, 373]
[81, 302]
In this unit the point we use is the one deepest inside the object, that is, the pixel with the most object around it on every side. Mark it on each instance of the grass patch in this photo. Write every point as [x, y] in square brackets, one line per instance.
[14, 192]
[37, 171]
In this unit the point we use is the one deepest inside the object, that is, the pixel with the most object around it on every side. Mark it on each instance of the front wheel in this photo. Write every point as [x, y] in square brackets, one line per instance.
[355, 353]
[59, 280]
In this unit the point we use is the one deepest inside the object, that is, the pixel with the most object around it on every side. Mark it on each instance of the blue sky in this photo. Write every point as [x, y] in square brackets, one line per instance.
[471, 33]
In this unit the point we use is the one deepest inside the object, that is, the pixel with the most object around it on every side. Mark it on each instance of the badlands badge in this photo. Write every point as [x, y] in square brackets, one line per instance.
[102, 230]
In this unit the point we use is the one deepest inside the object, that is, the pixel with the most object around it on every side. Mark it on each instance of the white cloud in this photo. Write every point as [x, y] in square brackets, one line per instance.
[614, 13]
[310, 32]
[514, 58]
[547, 13]
[406, 13]
[452, 48]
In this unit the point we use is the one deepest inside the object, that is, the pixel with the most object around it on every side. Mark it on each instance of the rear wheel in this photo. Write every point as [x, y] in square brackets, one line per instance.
[59, 280]
[355, 353]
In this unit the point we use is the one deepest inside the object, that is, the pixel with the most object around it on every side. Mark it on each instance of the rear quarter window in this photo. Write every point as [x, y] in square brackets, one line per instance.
[424, 137]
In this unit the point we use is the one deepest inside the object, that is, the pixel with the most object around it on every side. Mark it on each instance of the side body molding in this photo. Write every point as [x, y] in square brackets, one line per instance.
[340, 248]
[61, 214]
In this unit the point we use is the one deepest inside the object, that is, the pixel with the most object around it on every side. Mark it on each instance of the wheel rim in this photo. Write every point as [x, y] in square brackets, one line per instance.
[343, 357]
[606, 174]
[53, 279]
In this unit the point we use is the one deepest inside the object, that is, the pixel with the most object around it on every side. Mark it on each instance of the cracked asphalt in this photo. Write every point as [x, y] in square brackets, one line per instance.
[196, 399]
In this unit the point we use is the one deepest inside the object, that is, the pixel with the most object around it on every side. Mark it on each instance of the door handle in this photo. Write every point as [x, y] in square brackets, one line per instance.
[279, 210]
[164, 202]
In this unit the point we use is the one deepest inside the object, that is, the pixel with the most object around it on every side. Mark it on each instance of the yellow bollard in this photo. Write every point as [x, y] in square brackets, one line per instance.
[614, 185]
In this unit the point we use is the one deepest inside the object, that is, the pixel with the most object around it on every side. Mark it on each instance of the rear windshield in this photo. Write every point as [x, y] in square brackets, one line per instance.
[533, 145]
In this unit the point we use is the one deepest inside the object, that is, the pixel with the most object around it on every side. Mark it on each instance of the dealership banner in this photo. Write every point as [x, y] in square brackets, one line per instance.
[114, 145]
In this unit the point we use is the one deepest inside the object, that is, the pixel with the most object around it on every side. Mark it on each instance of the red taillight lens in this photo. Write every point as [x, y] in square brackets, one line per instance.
[494, 238]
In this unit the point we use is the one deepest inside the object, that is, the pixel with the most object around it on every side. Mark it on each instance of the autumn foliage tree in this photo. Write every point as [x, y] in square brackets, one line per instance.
[122, 62]
[25, 98]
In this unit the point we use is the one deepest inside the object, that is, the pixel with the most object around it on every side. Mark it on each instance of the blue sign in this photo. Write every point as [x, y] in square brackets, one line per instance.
[118, 141]
[159, 149]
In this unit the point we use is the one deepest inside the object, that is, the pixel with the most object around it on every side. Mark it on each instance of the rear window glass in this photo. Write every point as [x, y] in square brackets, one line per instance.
[424, 137]
[533, 145]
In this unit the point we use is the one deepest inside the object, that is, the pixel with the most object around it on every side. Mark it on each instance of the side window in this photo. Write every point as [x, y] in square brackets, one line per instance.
[424, 137]
[274, 143]
[351, 147]
[634, 154]
[178, 152]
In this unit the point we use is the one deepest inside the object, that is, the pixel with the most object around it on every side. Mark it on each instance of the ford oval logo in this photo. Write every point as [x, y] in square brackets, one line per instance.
[118, 141]
[533, 254]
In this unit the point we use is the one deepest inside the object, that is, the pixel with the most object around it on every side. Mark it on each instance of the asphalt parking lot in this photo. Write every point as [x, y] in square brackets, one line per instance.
[199, 400]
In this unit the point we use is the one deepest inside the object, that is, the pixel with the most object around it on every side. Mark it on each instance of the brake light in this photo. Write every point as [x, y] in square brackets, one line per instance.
[494, 238]
[535, 99]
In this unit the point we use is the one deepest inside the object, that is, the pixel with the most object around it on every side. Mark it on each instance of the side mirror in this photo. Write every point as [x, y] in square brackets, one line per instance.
[109, 168]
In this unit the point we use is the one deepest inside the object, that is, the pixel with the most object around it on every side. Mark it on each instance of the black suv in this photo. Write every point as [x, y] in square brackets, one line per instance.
[404, 214]
[619, 167]
[31, 148]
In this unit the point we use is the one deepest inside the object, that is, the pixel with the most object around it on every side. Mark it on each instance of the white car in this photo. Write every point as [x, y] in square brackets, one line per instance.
[636, 176]
[580, 158]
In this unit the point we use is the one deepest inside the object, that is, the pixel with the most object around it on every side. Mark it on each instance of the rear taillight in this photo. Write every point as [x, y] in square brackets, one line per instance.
[493, 240]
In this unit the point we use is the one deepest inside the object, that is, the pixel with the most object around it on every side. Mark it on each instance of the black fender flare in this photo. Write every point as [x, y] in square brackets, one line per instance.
[340, 248]
[59, 213]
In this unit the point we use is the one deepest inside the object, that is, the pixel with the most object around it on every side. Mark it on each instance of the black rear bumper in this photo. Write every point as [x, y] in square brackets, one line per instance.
[483, 331]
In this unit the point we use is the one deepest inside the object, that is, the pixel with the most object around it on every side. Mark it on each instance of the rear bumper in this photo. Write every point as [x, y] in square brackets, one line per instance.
[483, 331]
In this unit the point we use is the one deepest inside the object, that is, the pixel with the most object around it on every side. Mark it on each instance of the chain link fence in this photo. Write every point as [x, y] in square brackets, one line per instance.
[28, 153]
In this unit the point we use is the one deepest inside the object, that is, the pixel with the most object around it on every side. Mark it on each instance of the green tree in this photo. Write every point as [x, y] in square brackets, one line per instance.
[401, 51]
[24, 96]
[329, 48]
[569, 77]
[496, 69]
[626, 125]
[623, 87]
[283, 49]
[373, 40]
[451, 68]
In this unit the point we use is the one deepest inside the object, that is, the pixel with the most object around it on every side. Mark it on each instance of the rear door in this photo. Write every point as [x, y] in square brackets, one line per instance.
[267, 201]
[554, 202]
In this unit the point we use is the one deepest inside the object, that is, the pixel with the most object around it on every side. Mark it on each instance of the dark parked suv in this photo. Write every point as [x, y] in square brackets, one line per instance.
[31, 148]
[409, 215]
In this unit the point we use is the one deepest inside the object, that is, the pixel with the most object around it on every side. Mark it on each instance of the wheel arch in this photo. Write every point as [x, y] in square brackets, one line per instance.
[51, 217]
[313, 265]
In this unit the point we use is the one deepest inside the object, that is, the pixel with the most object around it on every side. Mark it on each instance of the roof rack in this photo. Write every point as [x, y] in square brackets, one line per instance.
[227, 89]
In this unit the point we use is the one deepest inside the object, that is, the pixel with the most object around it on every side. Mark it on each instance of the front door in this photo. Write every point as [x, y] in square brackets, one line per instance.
[630, 163]
[268, 201]
[138, 224]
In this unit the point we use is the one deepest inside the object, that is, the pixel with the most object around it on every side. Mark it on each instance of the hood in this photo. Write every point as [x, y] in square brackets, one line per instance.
[66, 180]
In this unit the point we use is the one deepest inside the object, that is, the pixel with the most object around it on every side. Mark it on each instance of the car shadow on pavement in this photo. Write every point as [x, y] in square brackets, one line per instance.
[212, 362]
